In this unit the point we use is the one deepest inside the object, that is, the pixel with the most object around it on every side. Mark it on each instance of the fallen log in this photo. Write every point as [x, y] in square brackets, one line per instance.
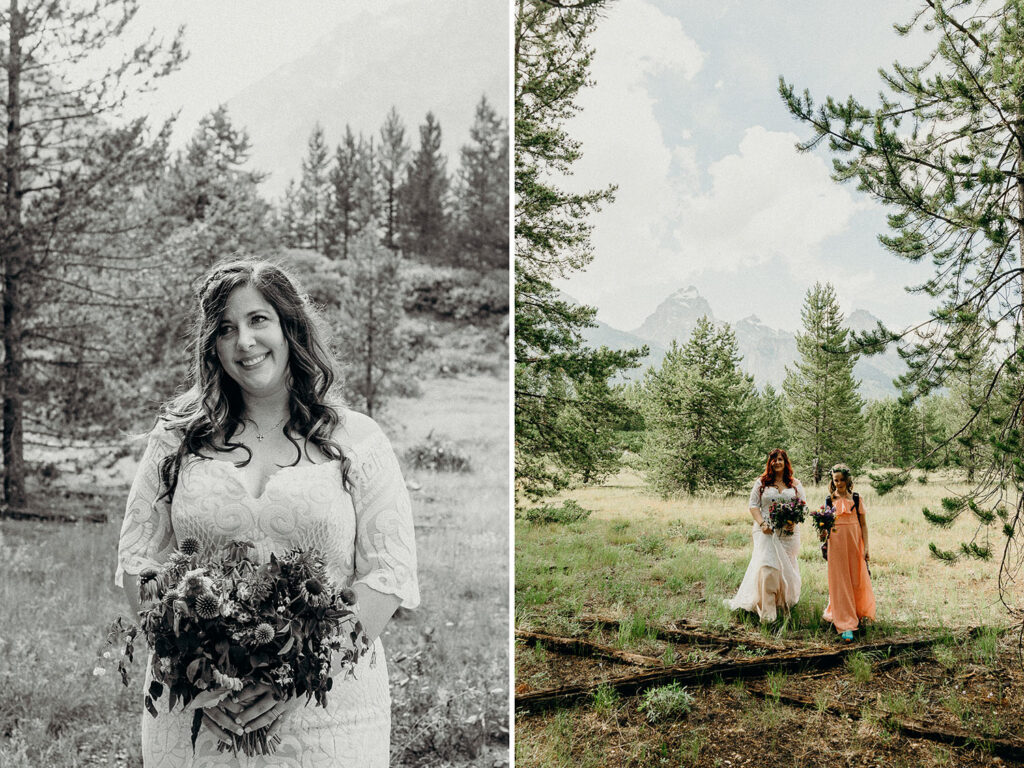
[53, 517]
[691, 634]
[698, 674]
[1010, 748]
[577, 646]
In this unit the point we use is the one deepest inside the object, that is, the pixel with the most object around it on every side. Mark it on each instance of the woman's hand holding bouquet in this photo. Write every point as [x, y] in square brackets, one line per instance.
[241, 642]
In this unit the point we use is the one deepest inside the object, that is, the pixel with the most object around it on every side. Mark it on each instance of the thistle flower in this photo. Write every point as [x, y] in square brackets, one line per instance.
[207, 605]
[189, 546]
[263, 633]
[170, 596]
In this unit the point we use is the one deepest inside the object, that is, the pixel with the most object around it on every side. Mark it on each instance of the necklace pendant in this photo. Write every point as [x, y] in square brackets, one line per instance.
[259, 438]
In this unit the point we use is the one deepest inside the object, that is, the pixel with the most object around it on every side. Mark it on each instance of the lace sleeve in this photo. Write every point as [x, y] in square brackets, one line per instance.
[800, 491]
[146, 533]
[755, 495]
[385, 540]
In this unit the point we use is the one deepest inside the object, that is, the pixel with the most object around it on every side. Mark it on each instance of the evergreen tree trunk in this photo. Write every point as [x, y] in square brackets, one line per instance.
[14, 256]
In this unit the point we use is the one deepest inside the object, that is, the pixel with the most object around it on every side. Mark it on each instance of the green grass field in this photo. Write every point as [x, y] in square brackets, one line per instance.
[650, 562]
[63, 704]
[680, 557]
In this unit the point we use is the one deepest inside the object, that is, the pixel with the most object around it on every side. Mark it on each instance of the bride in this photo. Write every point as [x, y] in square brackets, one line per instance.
[259, 449]
[772, 580]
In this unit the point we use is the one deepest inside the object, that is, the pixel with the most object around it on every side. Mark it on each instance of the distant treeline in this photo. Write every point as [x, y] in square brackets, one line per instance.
[699, 423]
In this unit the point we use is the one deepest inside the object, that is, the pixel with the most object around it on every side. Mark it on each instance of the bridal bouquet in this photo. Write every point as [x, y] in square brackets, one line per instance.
[217, 623]
[824, 520]
[782, 513]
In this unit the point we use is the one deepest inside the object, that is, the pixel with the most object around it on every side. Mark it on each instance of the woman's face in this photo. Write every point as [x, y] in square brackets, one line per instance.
[778, 464]
[840, 481]
[250, 343]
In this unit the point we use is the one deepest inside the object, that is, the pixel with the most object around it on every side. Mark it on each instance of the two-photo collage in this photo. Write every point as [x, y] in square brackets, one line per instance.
[491, 383]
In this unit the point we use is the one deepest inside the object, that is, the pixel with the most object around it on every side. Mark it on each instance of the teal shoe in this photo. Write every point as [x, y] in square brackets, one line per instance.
[847, 635]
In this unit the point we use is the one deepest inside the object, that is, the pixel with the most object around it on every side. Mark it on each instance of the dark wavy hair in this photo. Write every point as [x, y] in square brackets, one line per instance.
[843, 470]
[209, 413]
[768, 478]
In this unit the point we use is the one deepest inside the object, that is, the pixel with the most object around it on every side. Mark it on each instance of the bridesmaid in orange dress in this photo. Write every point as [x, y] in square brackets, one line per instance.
[850, 598]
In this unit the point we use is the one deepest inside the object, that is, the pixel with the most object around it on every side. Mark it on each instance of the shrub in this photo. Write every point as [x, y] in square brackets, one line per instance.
[458, 294]
[437, 455]
[666, 702]
[569, 512]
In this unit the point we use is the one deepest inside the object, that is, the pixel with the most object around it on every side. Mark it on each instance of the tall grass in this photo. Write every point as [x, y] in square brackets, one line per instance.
[63, 704]
[668, 558]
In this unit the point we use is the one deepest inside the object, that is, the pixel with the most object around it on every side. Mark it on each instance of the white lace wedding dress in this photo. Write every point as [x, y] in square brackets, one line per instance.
[366, 536]
[772, 580]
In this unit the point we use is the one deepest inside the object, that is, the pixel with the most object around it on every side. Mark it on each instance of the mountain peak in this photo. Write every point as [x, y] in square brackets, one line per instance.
[689, 293]
[861, 320]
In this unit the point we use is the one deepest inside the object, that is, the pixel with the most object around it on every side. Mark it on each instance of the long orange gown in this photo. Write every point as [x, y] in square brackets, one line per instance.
[849, 586]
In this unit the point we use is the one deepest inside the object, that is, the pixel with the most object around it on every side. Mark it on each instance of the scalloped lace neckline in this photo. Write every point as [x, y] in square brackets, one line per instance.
[234, 474]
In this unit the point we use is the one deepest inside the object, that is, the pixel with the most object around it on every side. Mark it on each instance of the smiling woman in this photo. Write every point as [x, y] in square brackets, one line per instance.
[261, 407]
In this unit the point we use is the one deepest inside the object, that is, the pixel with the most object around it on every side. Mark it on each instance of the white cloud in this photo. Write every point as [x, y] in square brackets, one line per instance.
[764, 201]
[623, 141]
[673, 219]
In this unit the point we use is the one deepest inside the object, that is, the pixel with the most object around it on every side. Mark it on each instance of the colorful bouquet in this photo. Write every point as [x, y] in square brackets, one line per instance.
[824, 520]
[784, 515]
[218, 623]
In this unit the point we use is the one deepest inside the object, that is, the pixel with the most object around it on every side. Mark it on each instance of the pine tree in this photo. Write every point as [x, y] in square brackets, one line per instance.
[371, 303]
[768, 428]
[68, 180]
[314, 193]
[970, 409]
[555, 373]
[208, 189]
[342, 215]
[892, 431]
[824, 414]
[699, 409]
[393, 154]
[482, 192]
[425, 199]
[943, 152]
[369, 207]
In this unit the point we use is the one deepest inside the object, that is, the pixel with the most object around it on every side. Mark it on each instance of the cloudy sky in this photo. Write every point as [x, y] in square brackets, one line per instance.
[685, 118]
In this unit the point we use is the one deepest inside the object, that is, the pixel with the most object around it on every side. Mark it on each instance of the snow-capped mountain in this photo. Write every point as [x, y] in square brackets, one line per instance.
[766, 351]
[674, 318]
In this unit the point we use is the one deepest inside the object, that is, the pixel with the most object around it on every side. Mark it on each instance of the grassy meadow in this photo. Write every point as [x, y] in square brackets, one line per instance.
[651, 562]
[64, 705]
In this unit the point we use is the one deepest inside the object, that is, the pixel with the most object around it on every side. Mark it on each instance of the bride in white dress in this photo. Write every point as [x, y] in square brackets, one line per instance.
[254, 450]
[772, 581]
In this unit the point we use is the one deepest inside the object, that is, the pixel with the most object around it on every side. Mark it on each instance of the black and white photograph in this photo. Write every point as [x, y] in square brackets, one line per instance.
[255, 384]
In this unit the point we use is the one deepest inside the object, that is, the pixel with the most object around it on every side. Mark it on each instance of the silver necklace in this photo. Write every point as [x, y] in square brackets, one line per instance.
[260, 436]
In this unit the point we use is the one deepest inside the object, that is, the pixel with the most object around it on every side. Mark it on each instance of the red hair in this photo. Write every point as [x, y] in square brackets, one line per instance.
[768, 478]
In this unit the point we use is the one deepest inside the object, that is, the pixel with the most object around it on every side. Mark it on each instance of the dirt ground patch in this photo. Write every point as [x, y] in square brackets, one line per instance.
[850, 715]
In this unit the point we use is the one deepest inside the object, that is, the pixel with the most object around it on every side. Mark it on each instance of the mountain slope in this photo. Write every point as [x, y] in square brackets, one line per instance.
[766, 351]
[440, 56]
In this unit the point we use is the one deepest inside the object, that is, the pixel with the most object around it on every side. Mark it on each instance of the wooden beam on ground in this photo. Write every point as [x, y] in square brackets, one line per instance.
[1009, 748]
[577, 646]
[690, 633]
[700, 674]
